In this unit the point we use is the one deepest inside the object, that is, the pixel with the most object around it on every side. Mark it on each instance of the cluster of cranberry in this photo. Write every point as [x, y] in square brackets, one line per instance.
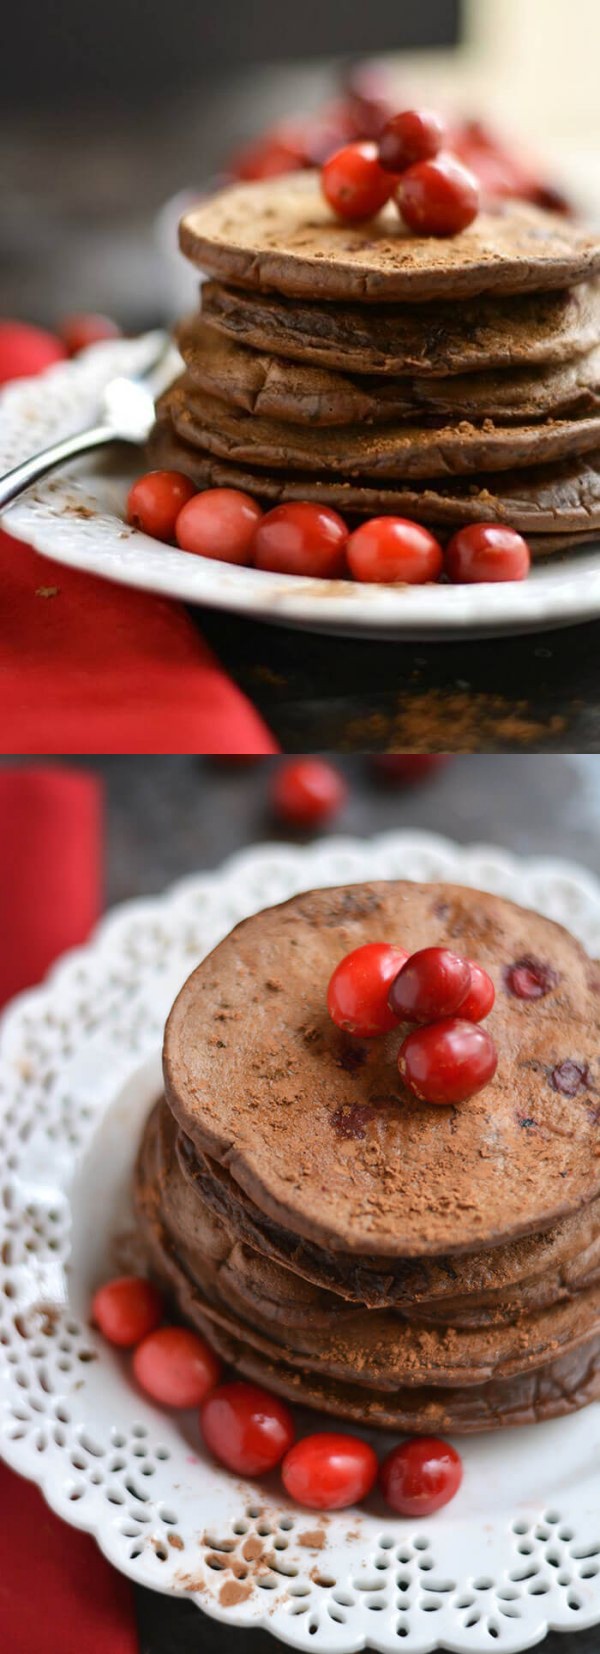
[251, 1431]
[366, 99]
[434, 192]
[448, 1058]
[314, 541]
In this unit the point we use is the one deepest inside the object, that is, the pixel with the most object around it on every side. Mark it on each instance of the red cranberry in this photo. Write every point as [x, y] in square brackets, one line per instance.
[432, 984]
[329, 1471]
[530, 978]
[87, 328]
[307, 791]
[486, 553]
[300, 538]
[570, 1077]
[220, 523]
[246, 1428]
[391, 551]
[480, 998]
[420, 1476]
[357, 996]
[354, 183]
[176, 1367]
[415, 135]
[438, 197]
[156, 500]
[448, 1062]
[127, 1309]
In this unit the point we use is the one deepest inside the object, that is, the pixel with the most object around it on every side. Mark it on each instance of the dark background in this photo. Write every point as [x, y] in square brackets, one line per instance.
[169, 816]
[67, 48]
[108, 110]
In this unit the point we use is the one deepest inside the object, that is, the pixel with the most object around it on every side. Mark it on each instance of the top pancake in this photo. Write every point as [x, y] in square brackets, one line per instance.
[317, 1128]
[280, 234]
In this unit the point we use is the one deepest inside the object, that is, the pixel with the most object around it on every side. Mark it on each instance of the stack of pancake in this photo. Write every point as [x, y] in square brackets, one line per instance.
[378, 372]
[412, 1267]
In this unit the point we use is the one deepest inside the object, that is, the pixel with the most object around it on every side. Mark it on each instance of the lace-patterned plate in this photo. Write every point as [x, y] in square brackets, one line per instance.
[76, 517]
[517, 1553]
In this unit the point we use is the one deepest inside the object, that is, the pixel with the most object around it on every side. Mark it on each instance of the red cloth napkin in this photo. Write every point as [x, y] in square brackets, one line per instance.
[50, 868]
[58, 1595]
[90, 667]
[87, 666]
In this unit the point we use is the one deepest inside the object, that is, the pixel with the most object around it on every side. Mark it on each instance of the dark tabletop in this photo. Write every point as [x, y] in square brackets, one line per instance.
[79, 232]
[538, 693]
[168, 1627]
[170, 816]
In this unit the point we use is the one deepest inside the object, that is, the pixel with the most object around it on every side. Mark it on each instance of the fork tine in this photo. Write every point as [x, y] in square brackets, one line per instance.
[163, 366]
[159, 344]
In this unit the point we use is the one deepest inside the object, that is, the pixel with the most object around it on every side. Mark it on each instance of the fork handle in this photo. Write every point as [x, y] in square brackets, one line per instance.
[22, 476]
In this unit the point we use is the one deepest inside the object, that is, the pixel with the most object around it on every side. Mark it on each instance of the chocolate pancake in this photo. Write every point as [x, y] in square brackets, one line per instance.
[474, 1288]
[281, 235]
[299, 393]
[555, 506]
[394, 451]
[378, 1350]
[567, 1381]
[540, 329]
[270, 386]
[252, 1062]
[212, 1248]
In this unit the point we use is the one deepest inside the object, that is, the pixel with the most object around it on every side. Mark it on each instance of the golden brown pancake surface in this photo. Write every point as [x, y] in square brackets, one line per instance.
[281, 235]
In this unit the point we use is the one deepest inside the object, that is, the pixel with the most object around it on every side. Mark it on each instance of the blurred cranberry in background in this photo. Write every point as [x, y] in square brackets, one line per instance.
[362, 107]
[368, 96]
[407, 768]
[280, 149]
[501, 169]
[327, 131]
[87, 327]
[26, 350]
[307, 792]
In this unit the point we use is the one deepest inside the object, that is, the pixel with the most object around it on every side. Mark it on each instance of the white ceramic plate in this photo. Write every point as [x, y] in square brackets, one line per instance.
[518, 1551]
[77, 517]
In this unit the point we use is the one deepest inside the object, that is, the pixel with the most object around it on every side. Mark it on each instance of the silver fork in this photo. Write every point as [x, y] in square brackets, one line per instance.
[126, 414]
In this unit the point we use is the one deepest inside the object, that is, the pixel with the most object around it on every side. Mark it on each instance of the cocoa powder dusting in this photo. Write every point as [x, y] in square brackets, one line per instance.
[313, 1538]
[454, 721]
[252, 1549]
[233, 1592]
[231, 1563]
[190, 1582]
